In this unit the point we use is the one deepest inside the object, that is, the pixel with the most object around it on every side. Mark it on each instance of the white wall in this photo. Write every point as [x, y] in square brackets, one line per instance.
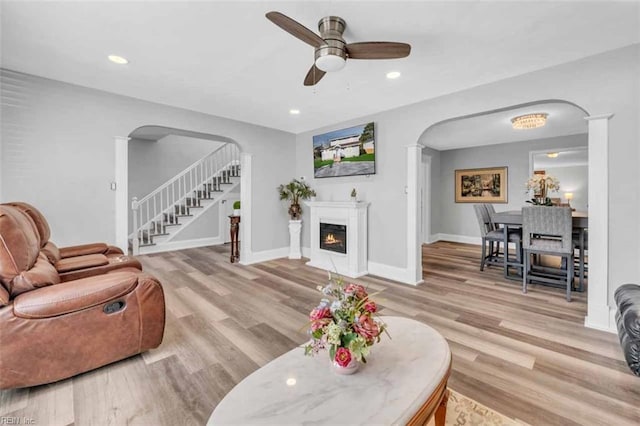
[605, 83]
[459, 218]
[58, 154]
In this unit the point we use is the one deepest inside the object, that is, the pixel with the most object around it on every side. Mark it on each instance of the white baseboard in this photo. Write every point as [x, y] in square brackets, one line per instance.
[393, 273]
[464, 239]
[264, 255]
[180, 245]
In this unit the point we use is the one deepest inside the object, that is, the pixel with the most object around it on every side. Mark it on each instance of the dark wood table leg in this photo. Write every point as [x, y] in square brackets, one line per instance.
[581, 261]
[233, 230]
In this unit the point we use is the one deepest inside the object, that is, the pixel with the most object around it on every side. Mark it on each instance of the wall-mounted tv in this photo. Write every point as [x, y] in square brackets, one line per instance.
[346, 152]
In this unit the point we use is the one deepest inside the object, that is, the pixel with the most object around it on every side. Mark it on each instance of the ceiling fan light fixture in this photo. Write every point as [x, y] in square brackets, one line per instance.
[529, 121]
[329, 63]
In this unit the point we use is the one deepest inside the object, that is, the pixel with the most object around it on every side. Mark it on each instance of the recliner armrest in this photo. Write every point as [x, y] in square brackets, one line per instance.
[81, 262]
[73, 296]
[84, 249]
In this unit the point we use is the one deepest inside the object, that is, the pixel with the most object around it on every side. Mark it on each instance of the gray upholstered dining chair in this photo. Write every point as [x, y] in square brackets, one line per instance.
[547, 230]
[491, 236]
[515, 236]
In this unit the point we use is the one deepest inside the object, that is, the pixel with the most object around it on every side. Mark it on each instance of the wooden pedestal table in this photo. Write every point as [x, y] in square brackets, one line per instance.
[403, 382]
[234, 229]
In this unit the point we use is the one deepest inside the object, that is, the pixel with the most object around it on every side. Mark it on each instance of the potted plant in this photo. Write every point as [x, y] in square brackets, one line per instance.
[236, 208]
[295, 191]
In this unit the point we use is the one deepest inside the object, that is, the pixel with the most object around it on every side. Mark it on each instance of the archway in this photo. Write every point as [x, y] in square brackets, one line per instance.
[598, 313]
[155, 132]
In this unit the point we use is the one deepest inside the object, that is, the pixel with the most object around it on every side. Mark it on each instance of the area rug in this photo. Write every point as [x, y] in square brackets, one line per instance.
[463, 411]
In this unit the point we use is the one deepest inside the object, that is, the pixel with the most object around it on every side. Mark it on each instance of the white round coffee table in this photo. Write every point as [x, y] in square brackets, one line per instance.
[403, 382]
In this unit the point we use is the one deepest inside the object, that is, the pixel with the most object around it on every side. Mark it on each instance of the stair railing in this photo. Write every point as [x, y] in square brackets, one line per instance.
[151, 209]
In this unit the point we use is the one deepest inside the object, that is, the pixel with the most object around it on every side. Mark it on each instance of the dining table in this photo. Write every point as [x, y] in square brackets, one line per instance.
[512, 219]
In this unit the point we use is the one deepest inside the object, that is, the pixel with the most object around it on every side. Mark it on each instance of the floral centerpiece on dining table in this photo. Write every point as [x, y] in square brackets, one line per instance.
[541, 186]
[345, 325]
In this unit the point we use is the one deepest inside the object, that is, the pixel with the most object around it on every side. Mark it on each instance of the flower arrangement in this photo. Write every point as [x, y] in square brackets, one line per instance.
[345, 325]
[541, 184]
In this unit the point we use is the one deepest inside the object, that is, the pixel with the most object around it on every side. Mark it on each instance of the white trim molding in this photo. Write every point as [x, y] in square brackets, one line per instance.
[414, 216]
[121, 179]
[245, 204]
[454, 238]
[181, 245]
[598, 311]
[264, 255]
[393, 273]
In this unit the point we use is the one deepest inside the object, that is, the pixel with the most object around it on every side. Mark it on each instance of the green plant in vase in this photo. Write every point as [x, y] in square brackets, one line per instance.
[295, 191]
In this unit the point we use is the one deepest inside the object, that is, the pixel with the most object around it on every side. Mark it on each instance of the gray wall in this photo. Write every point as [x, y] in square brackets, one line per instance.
[574, 179]
[605, 83]
[58, 154]
[459, 218]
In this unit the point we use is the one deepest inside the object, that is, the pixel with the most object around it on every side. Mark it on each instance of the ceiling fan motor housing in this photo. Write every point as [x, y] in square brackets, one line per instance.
[333, 55]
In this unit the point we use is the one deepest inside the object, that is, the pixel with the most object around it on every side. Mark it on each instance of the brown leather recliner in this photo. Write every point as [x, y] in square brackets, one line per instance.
[76, 262]
[51, 330]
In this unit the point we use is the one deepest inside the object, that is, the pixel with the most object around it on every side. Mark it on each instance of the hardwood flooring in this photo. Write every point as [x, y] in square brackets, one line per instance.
[528, 357]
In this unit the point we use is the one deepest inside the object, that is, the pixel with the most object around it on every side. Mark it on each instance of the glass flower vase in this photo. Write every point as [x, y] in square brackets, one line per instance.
[351, 368]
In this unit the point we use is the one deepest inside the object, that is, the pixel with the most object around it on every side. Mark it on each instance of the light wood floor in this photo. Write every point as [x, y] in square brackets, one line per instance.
[526, 356]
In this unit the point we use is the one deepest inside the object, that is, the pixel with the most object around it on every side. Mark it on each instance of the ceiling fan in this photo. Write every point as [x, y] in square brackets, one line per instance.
[331, 50]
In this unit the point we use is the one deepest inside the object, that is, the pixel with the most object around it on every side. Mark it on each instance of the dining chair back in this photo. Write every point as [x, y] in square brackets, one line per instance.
[547, 230]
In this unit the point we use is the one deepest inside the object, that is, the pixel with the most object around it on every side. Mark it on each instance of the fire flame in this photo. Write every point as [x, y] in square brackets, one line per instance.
[330, 239]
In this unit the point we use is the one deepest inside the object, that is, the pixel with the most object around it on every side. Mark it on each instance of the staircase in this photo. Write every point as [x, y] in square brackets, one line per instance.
[167, 211]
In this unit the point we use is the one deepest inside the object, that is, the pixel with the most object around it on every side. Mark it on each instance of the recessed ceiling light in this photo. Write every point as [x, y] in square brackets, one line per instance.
[552, 154]
[393, 75]
[294, 111]
[118, 59]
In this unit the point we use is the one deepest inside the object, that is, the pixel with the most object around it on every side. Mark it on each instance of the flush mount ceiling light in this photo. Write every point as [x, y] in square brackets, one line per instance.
[294, 111]
[529, 121]
[118, 59]
[552, 154]
[393, 75]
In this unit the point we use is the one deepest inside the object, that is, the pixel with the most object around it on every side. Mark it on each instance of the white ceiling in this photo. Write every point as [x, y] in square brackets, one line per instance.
[227, 59]
[495, 128]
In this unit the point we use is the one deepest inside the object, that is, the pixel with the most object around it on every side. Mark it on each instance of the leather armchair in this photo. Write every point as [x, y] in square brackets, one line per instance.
[627, 298]
[80, 261]
[51, 330]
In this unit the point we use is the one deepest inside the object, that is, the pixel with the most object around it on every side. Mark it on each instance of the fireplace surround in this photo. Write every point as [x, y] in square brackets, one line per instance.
[345, 250]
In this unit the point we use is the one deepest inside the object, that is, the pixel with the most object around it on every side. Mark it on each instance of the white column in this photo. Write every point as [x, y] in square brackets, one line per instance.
[598, 315]
[122, 192]
[245, 202]
[414, 249]
[295, 226]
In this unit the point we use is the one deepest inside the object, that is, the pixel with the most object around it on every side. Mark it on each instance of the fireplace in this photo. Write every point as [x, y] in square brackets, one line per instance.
[333, 237]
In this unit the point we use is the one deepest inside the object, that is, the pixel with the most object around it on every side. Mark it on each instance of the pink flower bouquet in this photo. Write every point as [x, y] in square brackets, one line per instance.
[346, 324]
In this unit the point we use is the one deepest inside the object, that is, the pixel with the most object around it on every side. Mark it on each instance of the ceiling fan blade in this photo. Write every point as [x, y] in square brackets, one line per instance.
[378, 50]
[313, 76]
[295, 29]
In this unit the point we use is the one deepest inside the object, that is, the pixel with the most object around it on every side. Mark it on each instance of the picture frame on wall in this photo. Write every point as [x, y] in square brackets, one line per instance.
[486, 185]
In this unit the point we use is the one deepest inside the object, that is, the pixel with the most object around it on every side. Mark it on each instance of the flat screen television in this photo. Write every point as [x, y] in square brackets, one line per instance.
[345, 152]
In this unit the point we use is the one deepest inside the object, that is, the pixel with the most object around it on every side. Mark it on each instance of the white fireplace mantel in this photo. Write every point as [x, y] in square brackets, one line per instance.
[353, 214]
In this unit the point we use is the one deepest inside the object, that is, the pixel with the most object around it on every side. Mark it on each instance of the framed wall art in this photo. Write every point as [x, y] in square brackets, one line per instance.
[488, 185]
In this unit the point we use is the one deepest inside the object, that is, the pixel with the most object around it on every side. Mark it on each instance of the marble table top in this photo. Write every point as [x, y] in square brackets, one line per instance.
[400, 375]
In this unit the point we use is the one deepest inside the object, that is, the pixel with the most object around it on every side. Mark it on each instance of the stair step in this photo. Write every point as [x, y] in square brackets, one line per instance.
[171, 224]
[146, 244]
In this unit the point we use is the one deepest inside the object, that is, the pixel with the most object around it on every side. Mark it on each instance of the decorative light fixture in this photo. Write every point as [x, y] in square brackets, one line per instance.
[294, 111]
[393, 75]
[569, 197]
[118, 59]
[529, 121]
[329, 63]
[552, 154]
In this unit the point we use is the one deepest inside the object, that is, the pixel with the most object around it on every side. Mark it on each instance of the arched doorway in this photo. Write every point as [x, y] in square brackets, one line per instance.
[155, 132]
[599, 314]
